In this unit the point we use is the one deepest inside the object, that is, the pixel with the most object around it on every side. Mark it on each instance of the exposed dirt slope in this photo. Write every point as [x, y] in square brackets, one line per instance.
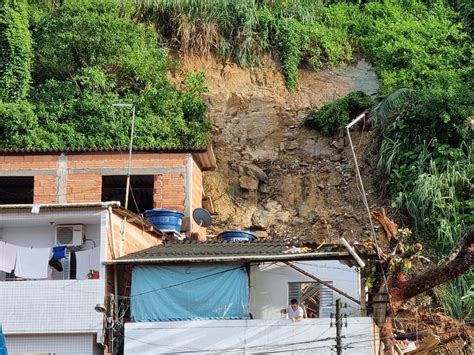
[275, 176]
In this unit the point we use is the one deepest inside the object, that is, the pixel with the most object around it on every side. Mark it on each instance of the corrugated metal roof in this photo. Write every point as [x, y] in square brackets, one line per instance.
[137, 220]
[102, 149]
[222, 251]
[206, 160]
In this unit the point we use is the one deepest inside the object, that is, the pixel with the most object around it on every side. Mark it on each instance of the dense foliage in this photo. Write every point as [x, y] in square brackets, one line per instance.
[88, 56]
[423, 54]
[15, 51]
[242, 30]
[337, 114]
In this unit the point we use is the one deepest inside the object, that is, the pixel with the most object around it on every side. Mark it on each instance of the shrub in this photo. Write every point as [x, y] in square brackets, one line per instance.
[15, 53]
[335, 115]
[87, 57]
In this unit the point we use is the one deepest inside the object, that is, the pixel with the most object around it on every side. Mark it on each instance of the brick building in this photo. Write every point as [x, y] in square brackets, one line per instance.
[160, 177]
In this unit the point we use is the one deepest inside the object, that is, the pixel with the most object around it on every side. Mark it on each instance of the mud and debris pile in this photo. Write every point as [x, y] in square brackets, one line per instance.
[274, 176]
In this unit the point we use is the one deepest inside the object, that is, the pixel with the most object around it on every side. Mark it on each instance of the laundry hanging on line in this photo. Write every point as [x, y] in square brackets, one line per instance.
[59, 253]
[32, 263]
[87, 260]
[7, 257]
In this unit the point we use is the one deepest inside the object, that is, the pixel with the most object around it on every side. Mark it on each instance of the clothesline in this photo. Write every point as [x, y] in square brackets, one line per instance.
[33, 263]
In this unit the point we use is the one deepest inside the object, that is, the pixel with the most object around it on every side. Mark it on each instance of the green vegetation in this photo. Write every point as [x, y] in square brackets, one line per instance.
[242, 30]
[337, 114]
[423, 54]
[87, 55]
[15, 53]
[427, 148]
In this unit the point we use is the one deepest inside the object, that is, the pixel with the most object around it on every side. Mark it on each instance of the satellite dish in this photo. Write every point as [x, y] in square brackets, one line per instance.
[202, 217]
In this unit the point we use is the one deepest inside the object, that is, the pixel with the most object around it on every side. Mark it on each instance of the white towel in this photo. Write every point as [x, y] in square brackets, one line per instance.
[7, 257]
[32, 263]
[87, 260]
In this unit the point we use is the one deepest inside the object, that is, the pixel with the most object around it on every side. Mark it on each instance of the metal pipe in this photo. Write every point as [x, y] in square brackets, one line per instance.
[62, 205]
[116, 293]
[112, 232]
[353, 253]
[364, 196]
[127, 191]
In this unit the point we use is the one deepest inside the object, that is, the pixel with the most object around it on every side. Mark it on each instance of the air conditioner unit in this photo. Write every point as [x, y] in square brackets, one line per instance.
[69, 235]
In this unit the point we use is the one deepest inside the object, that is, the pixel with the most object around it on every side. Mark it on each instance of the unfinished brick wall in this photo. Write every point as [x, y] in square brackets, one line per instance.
[77, 177]
[84, 188]
[45, 189]
[169, 191]
[197, 195]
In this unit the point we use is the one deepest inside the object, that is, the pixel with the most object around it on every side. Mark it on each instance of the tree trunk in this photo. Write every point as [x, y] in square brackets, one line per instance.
[456, 264]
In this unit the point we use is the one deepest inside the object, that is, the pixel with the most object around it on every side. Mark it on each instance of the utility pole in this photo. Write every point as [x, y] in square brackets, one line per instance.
[130, 148]
[338, 327]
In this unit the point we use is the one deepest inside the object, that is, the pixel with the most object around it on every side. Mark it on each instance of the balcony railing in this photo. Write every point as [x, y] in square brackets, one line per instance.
[51, 306]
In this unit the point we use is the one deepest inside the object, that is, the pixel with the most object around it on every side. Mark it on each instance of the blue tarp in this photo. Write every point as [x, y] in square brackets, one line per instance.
[3, 344]
[168, 293]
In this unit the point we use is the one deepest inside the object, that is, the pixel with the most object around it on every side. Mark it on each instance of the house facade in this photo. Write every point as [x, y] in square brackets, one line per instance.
[167, 178]
[223, 297]
[46, 194]
[57, 314]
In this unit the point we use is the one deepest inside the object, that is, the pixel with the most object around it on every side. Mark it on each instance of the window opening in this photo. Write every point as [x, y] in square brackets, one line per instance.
[141, 191]
[313, 297]
[16, 190]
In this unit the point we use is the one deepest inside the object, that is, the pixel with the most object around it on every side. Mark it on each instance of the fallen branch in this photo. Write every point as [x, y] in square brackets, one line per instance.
[457, 263]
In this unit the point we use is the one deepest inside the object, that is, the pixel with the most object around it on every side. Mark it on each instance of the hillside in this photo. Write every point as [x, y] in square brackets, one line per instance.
[276, 177]
[267, 81]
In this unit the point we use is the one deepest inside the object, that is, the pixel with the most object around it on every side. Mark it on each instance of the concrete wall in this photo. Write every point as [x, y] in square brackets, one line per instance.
[43, 236]
[310, 336]
[51, 306]
[269, 285]
[59, 344]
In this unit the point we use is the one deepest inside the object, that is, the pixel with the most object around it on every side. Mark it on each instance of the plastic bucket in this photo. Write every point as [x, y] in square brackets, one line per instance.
[237, 236]
[164, 219]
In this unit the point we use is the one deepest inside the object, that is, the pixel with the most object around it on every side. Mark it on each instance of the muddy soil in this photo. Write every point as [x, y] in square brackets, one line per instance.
[274, 176]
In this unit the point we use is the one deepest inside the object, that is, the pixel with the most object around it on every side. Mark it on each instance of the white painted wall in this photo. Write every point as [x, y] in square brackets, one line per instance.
[51, 306]
[41, 312]
[60, 344]
[43, 236]
[310, 336]
[269, 285]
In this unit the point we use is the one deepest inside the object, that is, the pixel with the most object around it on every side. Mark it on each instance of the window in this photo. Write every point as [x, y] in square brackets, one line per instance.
[316, 299]
[16, 190]
[140, 198]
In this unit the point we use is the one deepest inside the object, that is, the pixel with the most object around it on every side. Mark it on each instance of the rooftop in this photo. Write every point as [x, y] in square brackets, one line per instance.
[190, 251]
[34, 150]
[204, 156]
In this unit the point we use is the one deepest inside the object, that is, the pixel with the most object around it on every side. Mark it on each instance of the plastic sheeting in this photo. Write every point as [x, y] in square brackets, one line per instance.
[166, 293]
[3, 345]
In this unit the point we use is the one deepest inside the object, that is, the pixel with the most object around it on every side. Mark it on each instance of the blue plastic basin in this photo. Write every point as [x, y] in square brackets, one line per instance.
[237, 236]
[164, 219]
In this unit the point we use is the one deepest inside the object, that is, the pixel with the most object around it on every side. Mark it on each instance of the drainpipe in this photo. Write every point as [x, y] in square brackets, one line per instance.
[188, 208]
[112, 231]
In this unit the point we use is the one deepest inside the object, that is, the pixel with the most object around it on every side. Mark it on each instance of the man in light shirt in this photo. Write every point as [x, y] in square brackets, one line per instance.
[294, 311]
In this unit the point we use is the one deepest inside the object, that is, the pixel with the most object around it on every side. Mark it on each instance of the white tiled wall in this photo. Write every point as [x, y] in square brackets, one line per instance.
[57, 344]
[56, 306]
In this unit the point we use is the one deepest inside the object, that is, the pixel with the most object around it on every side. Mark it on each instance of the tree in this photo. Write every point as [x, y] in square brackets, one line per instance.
[401, 289]
[16, 52]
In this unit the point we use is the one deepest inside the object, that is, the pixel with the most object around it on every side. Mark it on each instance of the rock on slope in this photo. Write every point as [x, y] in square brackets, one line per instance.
[274, 176]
